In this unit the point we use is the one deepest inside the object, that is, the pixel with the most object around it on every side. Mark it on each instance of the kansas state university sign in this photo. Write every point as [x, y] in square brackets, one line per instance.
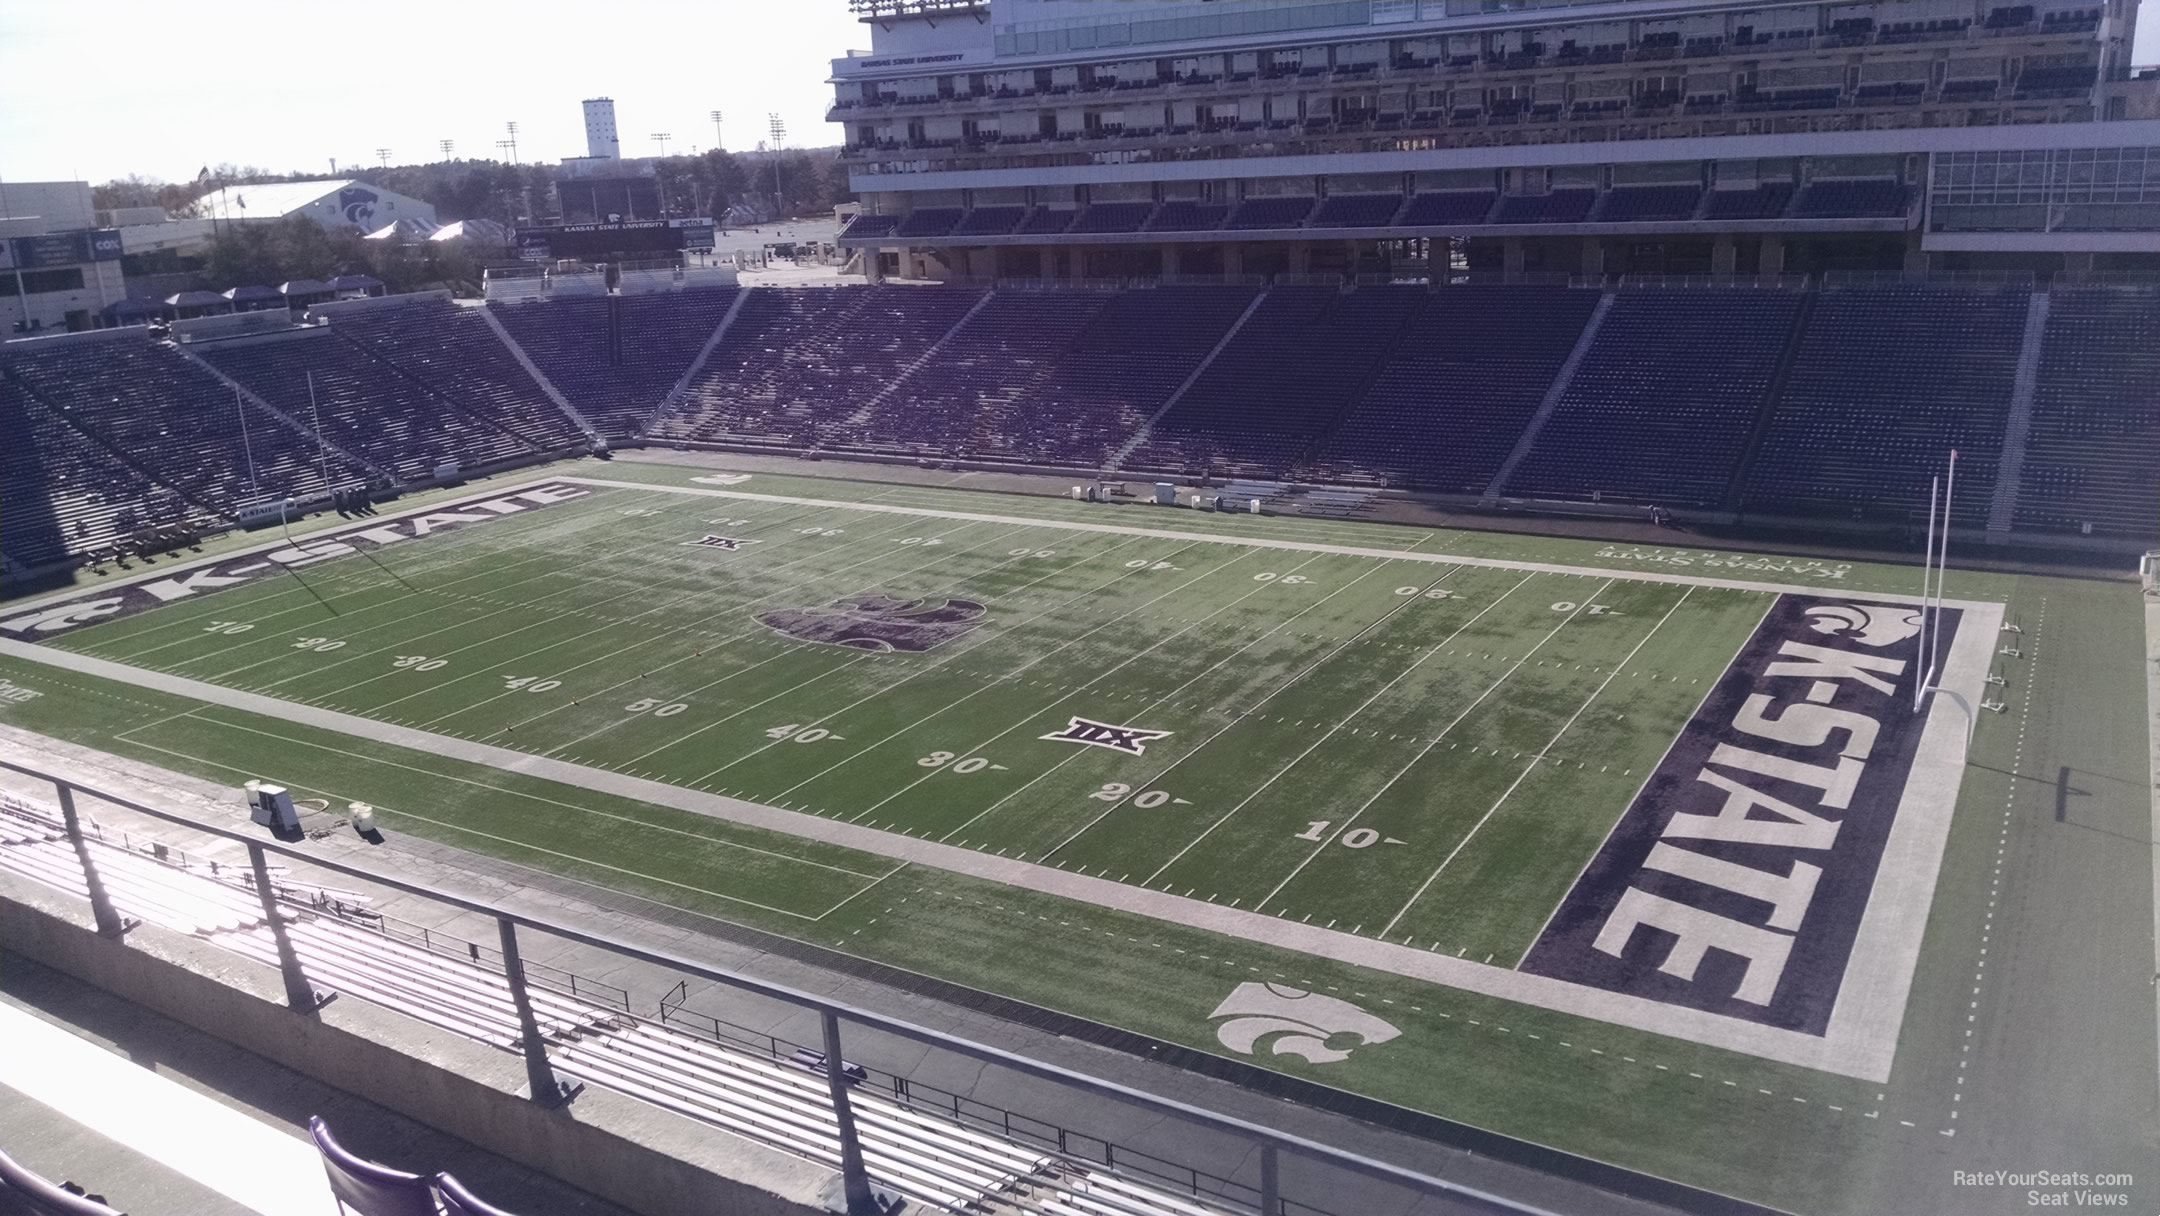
[53, 618]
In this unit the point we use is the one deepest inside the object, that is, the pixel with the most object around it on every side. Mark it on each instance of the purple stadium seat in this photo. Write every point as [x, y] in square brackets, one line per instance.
[367, 1189]
[458, 1201]
[25, 1192]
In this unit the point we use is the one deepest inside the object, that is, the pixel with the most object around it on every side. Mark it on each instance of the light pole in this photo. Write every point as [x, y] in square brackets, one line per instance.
[382, 156]
[512, 141]
[779, 130]
[718, 144]
[661, 138]
[446, 146]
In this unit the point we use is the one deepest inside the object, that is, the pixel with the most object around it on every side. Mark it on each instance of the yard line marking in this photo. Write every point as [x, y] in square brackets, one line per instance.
[760, 630]
[1532, 766]
[727, 609]
[1252, 711]
[1430, 744]
[332, 582]
[1315, 745]
[394, 643]
[558, 570]
[1067, 695]
[1647, 774]
[1265, 542]
[871, 885]
[988, 640]
[448, 550]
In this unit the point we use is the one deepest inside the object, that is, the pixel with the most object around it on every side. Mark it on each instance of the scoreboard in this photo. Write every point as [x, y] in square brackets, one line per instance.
[628, 240]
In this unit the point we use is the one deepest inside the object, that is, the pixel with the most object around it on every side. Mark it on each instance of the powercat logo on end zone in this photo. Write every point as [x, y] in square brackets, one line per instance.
[1737, 880]
[93, 607]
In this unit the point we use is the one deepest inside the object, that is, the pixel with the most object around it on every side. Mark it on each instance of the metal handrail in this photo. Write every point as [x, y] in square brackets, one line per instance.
[546, 1090]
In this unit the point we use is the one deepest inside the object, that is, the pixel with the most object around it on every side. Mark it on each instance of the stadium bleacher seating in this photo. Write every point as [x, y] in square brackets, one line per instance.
[1641, 204]
[1458, 207]
[1763, 202]
[64, 494]
[1886, 381]
[1851, 199]
[1446, 408]
[866, 224]
[1108, 217]
[457, 354]
[616, 357]
[929, 221]
[962, 403]
[799, 363]
[990, 221]
[1120, 370]
[2094, 446]
[1662, 405]
[1185, 215]
[364, 406]
[1357, 210]
[1557, 207]
[1306, 353]
[1256, 213]
[142, 399]
[107, 435]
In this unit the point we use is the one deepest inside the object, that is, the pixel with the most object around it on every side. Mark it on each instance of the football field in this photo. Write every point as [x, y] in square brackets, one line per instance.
[1689, 802]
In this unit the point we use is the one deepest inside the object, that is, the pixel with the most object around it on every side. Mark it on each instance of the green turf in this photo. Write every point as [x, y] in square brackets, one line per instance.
[1322, 707]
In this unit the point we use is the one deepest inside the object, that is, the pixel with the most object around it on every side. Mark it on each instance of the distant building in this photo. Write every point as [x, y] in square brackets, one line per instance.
[332, 205]
[601, 140]
[58, 269]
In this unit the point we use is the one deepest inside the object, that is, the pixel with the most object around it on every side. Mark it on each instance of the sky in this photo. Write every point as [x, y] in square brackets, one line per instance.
[93, 92]
[98, 91]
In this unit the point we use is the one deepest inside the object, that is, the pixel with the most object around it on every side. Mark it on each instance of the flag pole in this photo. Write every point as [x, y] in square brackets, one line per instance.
[1927, 555]
[1942, 564]
[322, 453]
[247, 444]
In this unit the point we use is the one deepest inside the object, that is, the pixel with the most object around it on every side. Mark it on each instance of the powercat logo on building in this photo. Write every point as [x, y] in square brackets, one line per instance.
[1736, 881]
[52, 620]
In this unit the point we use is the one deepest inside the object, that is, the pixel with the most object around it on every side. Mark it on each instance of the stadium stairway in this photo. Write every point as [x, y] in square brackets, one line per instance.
[939, 1162]
[1551, 402]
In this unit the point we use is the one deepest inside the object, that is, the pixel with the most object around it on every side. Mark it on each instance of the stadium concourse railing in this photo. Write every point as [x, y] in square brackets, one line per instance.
[1272, 1146]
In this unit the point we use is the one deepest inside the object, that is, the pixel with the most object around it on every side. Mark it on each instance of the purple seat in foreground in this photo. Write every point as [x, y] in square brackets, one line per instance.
[21, 1190]
[368, 1189]
[458, 1201]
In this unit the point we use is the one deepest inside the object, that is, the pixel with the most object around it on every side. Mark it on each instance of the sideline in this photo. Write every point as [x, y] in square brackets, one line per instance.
[2152, 717]
[1293, 546]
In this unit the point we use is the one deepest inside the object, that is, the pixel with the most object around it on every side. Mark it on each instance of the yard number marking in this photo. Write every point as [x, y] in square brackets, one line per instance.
[1355, 838]
[319, 645]
[418, 662]
[529, 684]
[795, 732]
[1148, 800]
[228, 627]
[655, 707]
[973, 764]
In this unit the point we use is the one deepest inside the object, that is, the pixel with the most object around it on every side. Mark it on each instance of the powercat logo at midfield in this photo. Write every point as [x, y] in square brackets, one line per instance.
[52, 620]
[1736, 881]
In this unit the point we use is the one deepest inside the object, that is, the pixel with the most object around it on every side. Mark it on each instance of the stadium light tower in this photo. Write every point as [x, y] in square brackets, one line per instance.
[718, 143]
[661, 138]
[382, 155]
[779, 131]
[446, 146]
[512, 141]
